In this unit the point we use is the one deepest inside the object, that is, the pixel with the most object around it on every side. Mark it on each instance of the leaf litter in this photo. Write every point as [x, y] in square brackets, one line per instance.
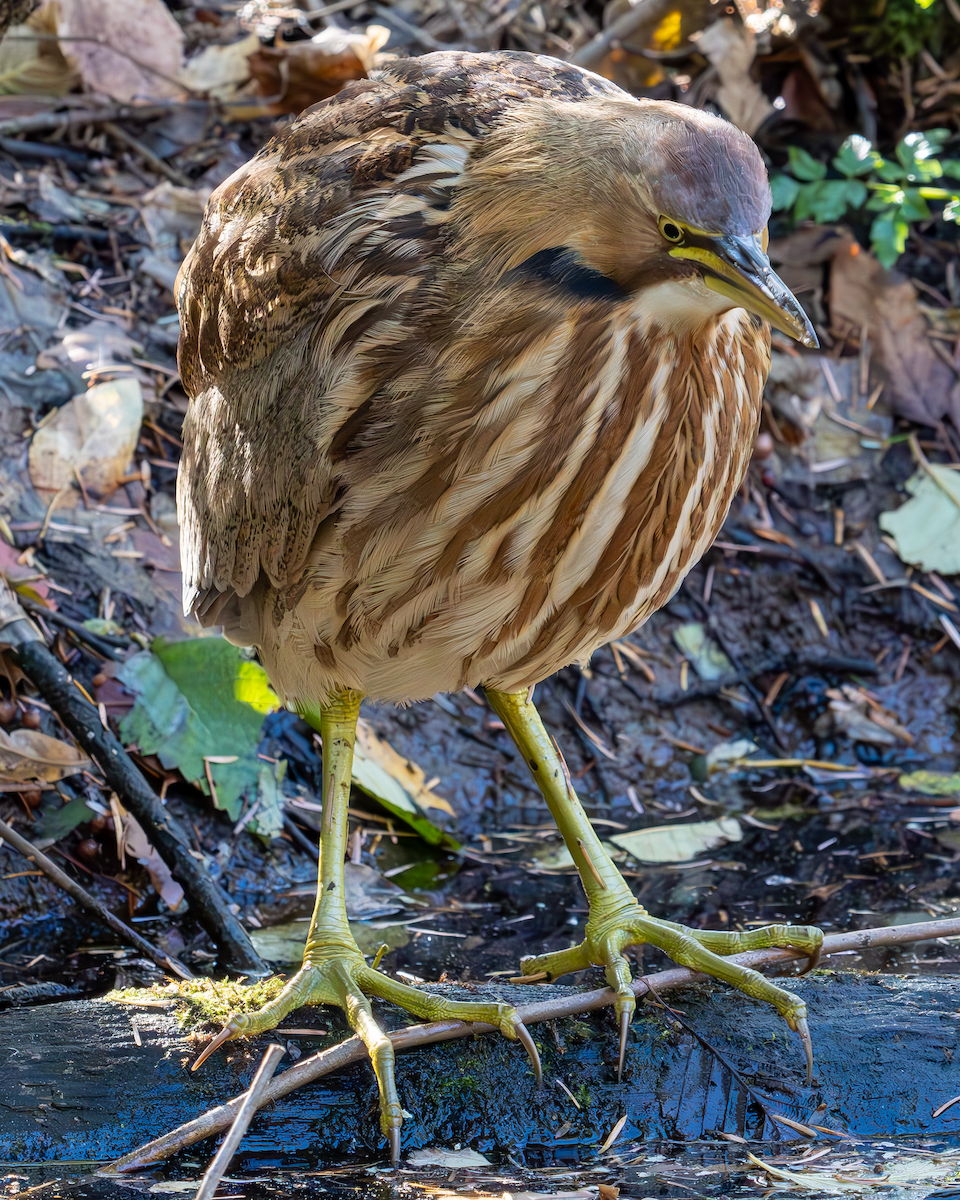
[885, 335]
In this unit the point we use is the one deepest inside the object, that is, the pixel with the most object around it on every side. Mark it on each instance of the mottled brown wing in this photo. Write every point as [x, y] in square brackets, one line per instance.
[316, 264]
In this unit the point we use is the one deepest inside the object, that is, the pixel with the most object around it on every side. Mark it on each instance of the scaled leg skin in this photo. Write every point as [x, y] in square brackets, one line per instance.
[616, 920]
[334, 970]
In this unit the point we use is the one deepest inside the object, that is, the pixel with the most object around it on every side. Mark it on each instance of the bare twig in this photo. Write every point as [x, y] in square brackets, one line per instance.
[152, 160]
[30, 852]
[82, 718]
[352, 1050]
[39, 122]
[250, 1103]
[644, 12]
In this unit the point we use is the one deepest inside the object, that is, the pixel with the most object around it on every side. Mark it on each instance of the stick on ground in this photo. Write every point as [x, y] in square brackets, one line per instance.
[30, 852]
[248, 1108]
[56, 685]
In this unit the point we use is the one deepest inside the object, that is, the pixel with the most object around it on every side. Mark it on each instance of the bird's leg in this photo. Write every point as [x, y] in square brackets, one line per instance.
[616, 920]
[334, 971]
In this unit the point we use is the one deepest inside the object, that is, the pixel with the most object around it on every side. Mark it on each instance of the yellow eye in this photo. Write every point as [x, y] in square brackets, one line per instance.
[670, 230]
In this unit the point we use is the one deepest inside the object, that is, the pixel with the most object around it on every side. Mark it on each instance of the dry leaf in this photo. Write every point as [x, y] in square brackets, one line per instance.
[27, 754]
[171, 216]
[220, 71]
[93, 346]
[851, 712]
[136, 843]
[922, 387]
[378, 755]
[678, 843]
[927, 527]
[135, 47]
[32, 67]
[95, 433]
[439, 1156]
[294, 75]
[731, 49]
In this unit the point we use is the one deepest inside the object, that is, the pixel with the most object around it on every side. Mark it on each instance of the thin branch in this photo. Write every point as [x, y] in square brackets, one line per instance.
[251, 1101]
[644, 12]
[54, 682]
[352, 1050]
[40, 122]
[30, 852]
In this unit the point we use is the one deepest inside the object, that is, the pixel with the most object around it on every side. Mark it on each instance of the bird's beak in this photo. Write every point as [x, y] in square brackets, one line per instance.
[737, 268]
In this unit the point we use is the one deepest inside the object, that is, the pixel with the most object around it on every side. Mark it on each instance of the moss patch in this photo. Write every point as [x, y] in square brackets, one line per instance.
[204, 1001]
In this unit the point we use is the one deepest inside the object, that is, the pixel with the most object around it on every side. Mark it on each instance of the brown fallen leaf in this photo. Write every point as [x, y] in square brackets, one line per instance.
[294, 75]
[27, 754]
[731, 50]
[922, 387]
[136, 843]
[132, 50]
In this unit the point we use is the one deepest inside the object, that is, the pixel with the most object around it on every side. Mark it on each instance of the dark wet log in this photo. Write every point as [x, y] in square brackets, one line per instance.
[75, 1085]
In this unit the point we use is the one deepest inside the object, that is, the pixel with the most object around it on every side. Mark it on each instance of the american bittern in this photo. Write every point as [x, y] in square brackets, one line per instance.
[475, 351]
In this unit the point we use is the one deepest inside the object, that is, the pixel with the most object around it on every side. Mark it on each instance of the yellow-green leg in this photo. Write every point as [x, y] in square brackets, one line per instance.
[334, 971]
[616, 920]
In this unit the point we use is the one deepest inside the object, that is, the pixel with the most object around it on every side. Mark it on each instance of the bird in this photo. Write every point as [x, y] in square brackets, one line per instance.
[474, 352]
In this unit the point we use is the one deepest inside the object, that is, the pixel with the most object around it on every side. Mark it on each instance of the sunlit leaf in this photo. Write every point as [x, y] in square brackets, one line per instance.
[856, 157]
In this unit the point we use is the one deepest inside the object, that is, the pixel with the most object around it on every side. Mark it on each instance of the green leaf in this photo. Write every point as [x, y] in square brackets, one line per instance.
[951, 167]
[926, 528]
[888, 236]
[914, 207]
[915, 154]
[931, 783]
[856, 157]
[828, 200]
[888, 171]
[199, 700]
[784, 190]
[804, 166]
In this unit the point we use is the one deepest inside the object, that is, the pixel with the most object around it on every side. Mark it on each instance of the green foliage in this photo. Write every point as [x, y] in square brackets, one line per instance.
[902, 28]
[897, 190]
[200, 705]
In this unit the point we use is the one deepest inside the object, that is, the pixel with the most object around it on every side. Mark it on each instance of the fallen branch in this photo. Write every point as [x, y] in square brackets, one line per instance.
[251, 1101]
[57, 687]
[352, 1050]
[30, 852]
[40, 122]
[644, 12]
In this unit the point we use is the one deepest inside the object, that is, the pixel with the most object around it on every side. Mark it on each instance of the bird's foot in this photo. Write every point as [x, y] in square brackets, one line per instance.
[338, 975]
[612, 928]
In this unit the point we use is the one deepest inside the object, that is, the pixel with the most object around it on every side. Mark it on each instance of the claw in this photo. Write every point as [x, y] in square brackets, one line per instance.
[394, 1136]
[525, 1040]
[812, 960]
[230, 1030]
[804, 1030]
[625, 1016]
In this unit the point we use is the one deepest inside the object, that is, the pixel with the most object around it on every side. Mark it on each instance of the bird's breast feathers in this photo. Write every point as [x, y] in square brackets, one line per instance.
[405, 471]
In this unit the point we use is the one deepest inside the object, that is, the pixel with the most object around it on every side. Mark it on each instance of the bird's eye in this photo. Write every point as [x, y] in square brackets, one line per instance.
[671, 231]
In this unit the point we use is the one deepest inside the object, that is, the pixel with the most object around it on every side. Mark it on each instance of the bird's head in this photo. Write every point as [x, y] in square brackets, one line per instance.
[667, 203]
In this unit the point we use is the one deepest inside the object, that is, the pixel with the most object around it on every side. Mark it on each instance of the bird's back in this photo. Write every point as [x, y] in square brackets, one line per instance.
[418, 457]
